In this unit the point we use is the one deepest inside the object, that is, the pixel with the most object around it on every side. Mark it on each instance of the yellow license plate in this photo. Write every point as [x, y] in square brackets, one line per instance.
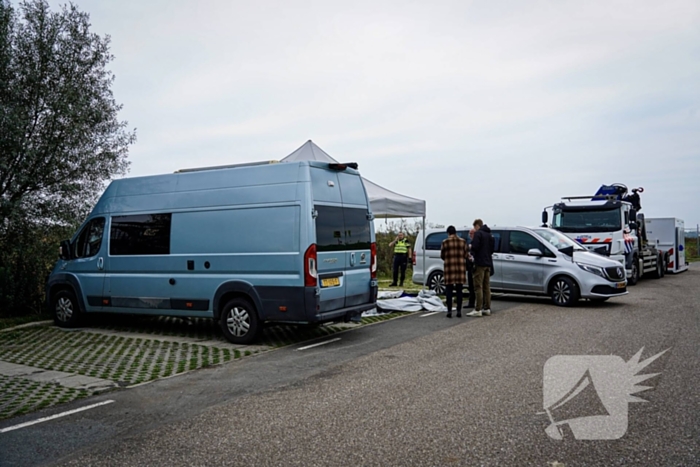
[621, 285]
[330, 282]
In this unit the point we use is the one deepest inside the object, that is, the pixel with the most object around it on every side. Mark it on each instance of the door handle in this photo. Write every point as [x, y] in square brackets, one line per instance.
[510, 257]
[352, 259]
[100, 263]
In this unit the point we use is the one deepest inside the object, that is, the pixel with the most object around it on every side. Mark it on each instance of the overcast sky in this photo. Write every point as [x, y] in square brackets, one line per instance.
[483, 109]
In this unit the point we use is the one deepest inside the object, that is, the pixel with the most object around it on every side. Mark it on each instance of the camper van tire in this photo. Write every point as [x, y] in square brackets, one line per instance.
[65, 310]
[634, 276]
[564, 291]
[239, 321]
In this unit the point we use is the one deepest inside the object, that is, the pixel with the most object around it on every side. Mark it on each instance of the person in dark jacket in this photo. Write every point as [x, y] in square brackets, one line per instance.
[482, 249]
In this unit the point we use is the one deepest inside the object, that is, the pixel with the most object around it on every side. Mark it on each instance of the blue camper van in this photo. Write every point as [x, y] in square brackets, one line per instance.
[244, 245]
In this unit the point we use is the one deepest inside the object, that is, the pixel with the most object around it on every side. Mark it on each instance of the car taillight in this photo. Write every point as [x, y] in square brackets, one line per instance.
[414, 258]
[310, 270]
[373, 261]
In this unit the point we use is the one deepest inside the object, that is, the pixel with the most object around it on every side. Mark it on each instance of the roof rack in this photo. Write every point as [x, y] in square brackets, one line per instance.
[592, 198]
[230, 166]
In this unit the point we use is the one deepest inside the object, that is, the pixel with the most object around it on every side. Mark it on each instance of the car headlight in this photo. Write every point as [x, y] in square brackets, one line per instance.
[592, 269]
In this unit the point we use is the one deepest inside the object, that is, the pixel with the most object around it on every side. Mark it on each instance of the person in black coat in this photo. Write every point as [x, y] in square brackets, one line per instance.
[482, 249]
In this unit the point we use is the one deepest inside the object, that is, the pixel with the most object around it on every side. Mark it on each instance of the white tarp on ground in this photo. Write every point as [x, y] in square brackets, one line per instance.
[385, 203]
[426, 300]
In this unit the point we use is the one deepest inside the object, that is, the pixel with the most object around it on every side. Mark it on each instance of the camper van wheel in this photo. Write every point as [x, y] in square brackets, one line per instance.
[64, 307]
[436, 282]
[634, 277]
[239, 321]
[564, 291]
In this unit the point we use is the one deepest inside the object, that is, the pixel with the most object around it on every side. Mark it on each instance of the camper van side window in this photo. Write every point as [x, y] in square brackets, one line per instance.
[342, 229]
[143, 234]
[330, 227]
[90, 239]
[357, 230]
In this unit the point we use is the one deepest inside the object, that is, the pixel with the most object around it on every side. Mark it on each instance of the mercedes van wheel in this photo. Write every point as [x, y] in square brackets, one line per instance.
[436, 282]
[564, 291]
[239, 321]
[64, 307]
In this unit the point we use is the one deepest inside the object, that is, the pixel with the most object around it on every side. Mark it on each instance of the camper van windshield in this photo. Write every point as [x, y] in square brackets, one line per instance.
[587, 221]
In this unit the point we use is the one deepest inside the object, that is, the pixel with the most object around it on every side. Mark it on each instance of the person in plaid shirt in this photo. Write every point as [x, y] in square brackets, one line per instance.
[454, 253]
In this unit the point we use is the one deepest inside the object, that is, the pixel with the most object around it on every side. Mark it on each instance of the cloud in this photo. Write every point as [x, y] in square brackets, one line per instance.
[492, 109]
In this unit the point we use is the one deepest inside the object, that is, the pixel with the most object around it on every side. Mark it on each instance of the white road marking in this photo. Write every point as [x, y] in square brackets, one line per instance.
[58, 415]
[320, 343]
[430, 314]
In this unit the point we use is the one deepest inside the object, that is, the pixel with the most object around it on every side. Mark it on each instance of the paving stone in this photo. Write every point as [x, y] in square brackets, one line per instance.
[46, 376]
[86, 382]
[13, 369]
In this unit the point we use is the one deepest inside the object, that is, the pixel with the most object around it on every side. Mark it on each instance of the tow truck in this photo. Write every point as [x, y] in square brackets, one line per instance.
[609, 223]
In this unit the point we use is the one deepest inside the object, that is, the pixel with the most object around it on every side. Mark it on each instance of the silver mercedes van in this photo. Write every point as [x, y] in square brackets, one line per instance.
[540, 261]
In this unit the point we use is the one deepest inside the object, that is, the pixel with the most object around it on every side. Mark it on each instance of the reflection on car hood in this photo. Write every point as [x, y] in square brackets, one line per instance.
[594, 259]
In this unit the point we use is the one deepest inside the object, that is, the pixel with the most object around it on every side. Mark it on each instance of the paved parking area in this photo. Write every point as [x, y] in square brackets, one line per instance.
[43, 365]
[469, 394]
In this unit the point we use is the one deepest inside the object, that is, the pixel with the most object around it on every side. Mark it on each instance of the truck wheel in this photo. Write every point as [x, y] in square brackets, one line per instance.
[436, 282]
[239, 321]
[564, 291]
[65, 310]
[634, 277]
[659, 271]
[664, 265]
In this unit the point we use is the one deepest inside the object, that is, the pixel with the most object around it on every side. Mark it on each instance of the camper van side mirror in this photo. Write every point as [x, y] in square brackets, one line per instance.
[545, 217]
[64, 250]
[633, 225]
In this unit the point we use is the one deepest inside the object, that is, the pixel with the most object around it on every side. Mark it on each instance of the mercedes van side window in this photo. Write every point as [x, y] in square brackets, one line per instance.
[90, 239]
[357, 230]
[521, 243]
[143, 234]
[496, 241]
[434, 241]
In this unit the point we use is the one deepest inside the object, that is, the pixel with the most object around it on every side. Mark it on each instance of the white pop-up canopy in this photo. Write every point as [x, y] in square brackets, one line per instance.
[384, 203]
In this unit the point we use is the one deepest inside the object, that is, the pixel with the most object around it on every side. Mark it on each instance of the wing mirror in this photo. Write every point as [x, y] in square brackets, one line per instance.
[545, 217]
[534, 252]
[64, 251]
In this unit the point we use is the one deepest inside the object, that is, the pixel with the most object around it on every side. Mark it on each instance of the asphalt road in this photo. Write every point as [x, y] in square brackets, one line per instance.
[412, 391]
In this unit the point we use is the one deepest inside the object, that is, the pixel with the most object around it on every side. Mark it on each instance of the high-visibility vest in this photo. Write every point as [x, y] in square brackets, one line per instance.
[401, 247]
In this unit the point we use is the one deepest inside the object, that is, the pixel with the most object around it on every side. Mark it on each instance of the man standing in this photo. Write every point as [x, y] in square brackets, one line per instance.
[482, 249]
[454, 253]
[402, 248]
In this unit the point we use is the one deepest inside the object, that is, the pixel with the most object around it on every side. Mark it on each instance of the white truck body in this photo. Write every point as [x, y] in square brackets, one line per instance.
[603, 223]
[669, 235]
